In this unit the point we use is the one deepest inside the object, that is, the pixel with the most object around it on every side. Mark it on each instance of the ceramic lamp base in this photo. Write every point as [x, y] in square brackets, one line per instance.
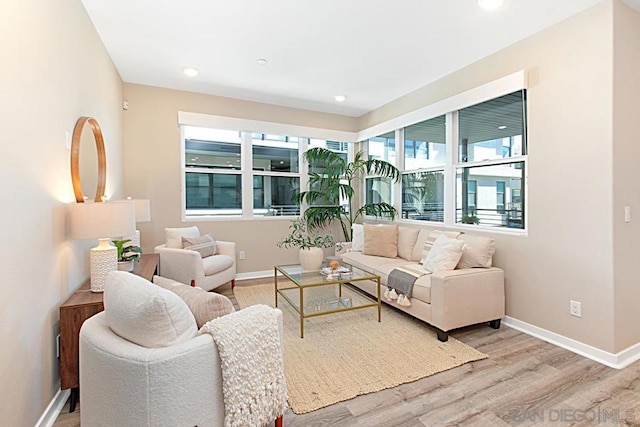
[103, 259]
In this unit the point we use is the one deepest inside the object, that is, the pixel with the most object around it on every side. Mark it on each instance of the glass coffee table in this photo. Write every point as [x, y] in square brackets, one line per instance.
[315, 294]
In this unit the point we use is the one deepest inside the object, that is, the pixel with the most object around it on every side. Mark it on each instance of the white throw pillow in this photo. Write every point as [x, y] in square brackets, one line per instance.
[173, 236]
[444, 254]
[357, 238]
[145, 314]
[478, 251]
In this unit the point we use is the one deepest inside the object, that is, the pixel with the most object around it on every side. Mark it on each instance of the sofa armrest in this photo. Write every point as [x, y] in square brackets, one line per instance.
[346, 247]
[180, 265]
[226, 248]
[466, 297]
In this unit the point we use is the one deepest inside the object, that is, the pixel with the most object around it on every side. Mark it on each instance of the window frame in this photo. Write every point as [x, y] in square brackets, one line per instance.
[450, 107]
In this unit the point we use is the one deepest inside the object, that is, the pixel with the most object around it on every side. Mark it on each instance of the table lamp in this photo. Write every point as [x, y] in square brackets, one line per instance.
[101, 221]
[143, 214]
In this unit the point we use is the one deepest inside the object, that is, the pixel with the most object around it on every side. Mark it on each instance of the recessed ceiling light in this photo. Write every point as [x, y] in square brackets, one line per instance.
[502, 127]
[190, 71]
[490, 4]
[340, 98]
[262, 61]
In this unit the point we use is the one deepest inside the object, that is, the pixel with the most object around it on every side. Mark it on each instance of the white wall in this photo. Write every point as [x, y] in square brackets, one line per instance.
[626, 175]
[54, 69]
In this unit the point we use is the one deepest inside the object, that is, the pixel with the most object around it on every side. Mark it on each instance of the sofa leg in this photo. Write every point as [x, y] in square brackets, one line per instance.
[442, 335]
[495, 324]
[279, 422]
[233, 283]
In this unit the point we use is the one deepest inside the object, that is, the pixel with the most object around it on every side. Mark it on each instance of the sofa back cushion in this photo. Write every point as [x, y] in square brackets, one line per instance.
[478, 251]
[407, 238]
[204, 305]
[381, 240]
[173, 236]
[145, 314]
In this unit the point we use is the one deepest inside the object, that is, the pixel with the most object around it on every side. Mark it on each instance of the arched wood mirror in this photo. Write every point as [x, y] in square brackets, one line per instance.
[89, 165]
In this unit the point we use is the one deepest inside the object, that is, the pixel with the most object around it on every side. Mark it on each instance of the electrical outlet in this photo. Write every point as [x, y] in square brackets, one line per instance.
[627, 214]
[58, 346]
[575, 308]
[242, 255]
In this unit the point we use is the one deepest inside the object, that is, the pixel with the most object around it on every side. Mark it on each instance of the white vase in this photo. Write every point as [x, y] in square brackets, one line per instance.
[311, 259]
[125, 265]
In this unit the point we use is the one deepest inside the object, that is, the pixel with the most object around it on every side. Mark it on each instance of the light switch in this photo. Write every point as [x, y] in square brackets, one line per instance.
[627, 214]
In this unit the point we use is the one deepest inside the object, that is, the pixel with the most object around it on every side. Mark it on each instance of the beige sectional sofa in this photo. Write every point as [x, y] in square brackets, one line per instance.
[447, 299]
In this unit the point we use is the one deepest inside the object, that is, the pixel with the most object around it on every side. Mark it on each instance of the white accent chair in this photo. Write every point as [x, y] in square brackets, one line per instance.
[187, 266]
[142, 362]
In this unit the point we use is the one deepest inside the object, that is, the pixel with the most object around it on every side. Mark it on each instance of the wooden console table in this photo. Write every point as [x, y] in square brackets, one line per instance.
[73, 312]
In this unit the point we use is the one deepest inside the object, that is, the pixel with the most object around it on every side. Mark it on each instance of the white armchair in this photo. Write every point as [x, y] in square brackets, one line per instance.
[142, 362]
[185, 266]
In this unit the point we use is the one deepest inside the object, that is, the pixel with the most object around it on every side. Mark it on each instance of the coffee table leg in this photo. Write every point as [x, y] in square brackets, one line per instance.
[301, 313]
[275, 280]
[379, 301]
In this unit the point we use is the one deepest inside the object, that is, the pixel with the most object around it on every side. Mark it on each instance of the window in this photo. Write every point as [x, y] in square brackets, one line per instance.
[491, 146]
[382, 147]
[216, 168]
[423, 176]
[500, 199]
[213, 177]
[423, 196]
[484, 171]
[276, 175]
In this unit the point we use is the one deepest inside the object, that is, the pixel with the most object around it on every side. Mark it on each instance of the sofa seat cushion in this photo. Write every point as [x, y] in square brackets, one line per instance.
[422, 289]
[216, 263]
[145, 314]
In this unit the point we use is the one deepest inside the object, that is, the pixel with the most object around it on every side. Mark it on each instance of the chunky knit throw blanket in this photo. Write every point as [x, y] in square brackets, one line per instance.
[253, 383]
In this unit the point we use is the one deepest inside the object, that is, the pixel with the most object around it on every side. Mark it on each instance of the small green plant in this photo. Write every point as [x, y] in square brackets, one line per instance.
[303, 238]
[127, 251]
[470, 219]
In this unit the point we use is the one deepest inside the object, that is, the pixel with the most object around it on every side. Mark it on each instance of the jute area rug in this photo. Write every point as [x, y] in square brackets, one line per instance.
[344, 355]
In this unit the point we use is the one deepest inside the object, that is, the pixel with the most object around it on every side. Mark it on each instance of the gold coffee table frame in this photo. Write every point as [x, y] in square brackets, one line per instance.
[306, 280]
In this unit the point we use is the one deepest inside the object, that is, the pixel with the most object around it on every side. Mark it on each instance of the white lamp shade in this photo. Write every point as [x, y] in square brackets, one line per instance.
[142, 207]
[100, 220]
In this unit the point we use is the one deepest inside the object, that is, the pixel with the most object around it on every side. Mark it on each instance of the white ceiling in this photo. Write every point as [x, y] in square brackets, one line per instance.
[373, 51]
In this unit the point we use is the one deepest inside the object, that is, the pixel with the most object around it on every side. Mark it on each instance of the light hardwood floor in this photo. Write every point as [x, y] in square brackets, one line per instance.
[524, 382]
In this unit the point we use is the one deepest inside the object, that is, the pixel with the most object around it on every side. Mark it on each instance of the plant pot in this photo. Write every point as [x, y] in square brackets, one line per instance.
[125, 265]
[311, 259]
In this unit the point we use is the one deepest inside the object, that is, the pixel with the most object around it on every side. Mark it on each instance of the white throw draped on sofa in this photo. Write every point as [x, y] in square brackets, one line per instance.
[253, 382]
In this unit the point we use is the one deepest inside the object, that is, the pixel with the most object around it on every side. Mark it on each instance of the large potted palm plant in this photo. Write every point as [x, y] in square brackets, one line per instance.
[332, 179]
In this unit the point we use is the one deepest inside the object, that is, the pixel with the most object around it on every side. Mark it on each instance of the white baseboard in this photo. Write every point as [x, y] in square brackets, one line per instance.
[53, 410]
[254, 275]
[618, 360]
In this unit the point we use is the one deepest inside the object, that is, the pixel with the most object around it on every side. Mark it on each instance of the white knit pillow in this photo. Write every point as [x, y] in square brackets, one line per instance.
[444, 254]
[357, 238]
[145, 314]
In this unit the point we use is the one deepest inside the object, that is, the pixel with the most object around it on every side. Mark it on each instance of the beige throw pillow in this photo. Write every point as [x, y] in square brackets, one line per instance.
[205, 245]
[381, 240]
[444, 255]
[407, 238]
[478, 251]
[204, 305]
